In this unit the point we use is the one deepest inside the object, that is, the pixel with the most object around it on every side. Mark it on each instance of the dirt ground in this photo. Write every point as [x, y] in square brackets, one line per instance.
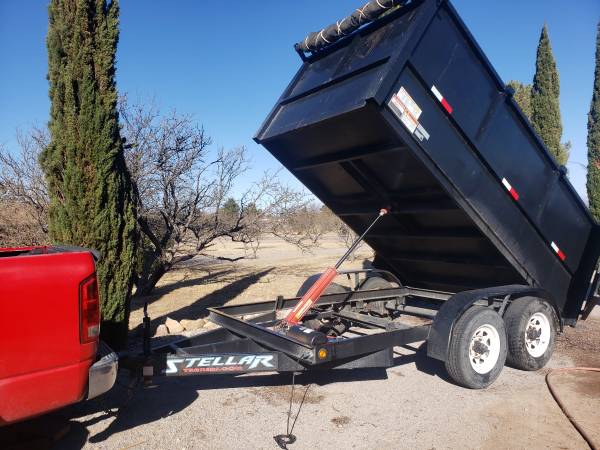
[411, 405]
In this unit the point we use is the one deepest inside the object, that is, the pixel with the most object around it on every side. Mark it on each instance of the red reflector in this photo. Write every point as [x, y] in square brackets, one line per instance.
[441, 99]
[558, 251]
[446, 105]
[89, 310]
[511, 190]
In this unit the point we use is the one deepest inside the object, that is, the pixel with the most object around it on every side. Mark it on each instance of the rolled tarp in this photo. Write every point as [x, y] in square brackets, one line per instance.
[371, 11]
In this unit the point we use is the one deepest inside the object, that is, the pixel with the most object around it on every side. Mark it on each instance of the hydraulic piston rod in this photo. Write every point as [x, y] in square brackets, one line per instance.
[312, 295]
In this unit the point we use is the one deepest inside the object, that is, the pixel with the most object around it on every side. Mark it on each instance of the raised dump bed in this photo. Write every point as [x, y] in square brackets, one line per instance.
[408, 113]
[486, 250]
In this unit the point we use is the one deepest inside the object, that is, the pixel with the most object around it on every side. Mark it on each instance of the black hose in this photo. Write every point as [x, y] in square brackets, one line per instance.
[564, 409]
[371, 11]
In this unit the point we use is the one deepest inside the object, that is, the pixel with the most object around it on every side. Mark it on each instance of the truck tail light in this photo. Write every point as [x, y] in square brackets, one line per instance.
[89, 310]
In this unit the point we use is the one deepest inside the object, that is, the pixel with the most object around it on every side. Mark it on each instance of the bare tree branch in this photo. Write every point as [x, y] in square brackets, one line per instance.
[23, 187]
[184, 191]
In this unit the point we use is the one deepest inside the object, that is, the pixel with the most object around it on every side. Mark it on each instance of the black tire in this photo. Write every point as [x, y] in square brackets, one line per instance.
[458, 362]
[523, 353]
[375, 283]
[333, 288]
[371, 283]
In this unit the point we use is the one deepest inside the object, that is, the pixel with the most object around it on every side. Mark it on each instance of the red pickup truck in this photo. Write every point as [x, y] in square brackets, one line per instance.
[50, 353]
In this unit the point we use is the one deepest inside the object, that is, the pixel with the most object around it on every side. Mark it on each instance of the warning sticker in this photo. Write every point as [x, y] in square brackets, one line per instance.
[421, 133]
[407, 110]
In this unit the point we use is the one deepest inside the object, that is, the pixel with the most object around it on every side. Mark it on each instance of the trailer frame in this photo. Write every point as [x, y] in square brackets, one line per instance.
[245, 344]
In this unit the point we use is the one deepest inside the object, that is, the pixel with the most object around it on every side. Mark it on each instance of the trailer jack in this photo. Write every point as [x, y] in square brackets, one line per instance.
[283, 440]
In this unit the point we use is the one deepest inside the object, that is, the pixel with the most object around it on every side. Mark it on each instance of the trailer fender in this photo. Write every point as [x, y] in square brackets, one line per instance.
[441, 329]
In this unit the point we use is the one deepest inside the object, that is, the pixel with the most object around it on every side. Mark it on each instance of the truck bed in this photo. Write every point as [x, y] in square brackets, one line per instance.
[45, 362]
[408, 113]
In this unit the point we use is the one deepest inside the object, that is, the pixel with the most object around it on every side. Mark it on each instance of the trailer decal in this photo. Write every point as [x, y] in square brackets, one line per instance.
[225, 363]
[441, 99]
[510, 189]
[558, 251]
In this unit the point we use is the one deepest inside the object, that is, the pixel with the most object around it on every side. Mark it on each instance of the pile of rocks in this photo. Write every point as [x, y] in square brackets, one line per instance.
[172, 326]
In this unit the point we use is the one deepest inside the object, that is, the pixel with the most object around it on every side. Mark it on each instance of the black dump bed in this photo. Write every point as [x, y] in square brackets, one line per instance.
[408, 113]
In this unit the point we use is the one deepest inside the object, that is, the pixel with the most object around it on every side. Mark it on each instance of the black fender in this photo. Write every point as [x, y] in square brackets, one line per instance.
[441, 328]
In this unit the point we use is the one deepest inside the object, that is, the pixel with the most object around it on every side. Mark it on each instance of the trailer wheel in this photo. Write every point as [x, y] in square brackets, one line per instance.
[531, 330]
[333, 288]
[376, 283]
[478, 348]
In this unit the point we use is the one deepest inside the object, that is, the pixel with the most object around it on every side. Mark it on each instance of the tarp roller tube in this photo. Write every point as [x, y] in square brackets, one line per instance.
[371, 11]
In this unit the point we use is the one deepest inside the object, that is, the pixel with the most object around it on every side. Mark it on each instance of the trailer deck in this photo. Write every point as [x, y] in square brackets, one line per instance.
[249, 339]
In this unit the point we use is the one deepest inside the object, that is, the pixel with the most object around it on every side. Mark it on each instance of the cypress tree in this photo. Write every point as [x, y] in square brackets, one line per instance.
[545, 104]
[522, 96]
[593, 140]
[90, 188]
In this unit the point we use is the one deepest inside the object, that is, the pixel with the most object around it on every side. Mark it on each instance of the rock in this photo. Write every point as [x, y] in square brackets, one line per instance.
[173, 326]
[161, 330]
[193, 324]
[209, 325]
[187, 324]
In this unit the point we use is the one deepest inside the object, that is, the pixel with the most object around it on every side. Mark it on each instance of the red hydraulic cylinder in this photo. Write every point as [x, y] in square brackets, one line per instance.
[311, 296]
[315, 291]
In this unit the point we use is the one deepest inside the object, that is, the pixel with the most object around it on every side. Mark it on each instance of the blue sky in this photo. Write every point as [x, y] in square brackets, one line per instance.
[227, 62]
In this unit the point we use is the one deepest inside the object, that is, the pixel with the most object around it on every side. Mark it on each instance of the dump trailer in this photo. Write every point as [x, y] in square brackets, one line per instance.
[486, 246]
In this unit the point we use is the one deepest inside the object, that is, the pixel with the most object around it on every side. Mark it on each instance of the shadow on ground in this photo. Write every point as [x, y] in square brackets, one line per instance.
[124, 410]
[159, 292]
[424, 364]
[46, 432]
[220, 297]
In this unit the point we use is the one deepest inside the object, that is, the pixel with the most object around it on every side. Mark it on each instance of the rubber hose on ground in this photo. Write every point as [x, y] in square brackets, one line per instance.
[578, 427]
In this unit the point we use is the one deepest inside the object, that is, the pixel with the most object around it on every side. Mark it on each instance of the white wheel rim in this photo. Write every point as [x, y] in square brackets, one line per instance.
[484, 349]
[537, 335]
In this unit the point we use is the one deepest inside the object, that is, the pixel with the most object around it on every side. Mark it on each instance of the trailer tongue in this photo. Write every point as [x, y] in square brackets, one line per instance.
[487, 250]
